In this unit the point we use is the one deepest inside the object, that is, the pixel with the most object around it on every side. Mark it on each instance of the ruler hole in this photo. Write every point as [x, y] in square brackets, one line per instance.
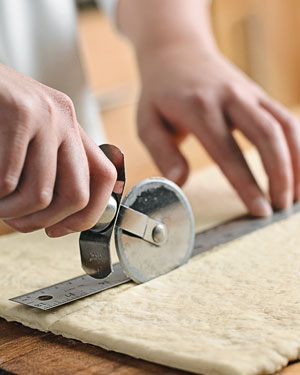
[45, 297]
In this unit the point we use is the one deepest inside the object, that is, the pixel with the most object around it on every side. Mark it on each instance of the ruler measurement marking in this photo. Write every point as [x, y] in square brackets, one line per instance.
[67, 291]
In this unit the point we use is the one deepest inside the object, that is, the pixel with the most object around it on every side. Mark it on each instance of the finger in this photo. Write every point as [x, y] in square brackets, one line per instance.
[35, 189]
[291, 128]
[210, 128]
[102, 180]
[71, 189]
[262, 129]
[13, 148]
[162, 147]
[178, 135]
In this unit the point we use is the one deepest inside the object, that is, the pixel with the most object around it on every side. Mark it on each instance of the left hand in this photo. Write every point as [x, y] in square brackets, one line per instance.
[186, 90]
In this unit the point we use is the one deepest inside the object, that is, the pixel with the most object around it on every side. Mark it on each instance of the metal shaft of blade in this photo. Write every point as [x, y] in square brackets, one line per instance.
[137, 223]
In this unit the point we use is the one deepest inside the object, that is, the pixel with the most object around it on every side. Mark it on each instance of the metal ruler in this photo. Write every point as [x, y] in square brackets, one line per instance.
[83, 286]
[71, 290]
[236, 228]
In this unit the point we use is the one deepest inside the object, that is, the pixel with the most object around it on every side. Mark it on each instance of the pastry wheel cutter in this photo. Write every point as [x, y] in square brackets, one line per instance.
[153, 230]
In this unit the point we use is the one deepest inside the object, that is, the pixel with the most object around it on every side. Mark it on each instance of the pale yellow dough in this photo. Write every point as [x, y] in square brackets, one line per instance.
[233, 310]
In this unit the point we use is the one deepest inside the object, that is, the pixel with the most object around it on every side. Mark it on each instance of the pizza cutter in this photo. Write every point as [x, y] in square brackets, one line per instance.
[153, 230]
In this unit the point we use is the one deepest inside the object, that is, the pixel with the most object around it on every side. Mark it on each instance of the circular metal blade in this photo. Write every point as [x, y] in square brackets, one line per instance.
[164, 201]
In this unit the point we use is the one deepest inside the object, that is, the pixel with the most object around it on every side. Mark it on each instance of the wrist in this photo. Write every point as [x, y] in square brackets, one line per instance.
[160, 54]
[146, 47]
[155, 25]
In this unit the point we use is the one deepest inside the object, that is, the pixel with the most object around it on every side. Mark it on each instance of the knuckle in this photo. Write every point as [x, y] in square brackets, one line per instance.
[68, 105]
[268, 129]
[27, 114]
[48, 109]
[109, 173]
[291, 124]
[20, 107]
[202, 100]
[26, 106]
[78, 198]
[8, 184]
[233, 91]
[42, 199]
[66, 100]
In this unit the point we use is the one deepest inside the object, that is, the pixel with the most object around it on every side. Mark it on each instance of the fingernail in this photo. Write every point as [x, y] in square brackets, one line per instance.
[261, 207]
[58, 232]
[285, 200]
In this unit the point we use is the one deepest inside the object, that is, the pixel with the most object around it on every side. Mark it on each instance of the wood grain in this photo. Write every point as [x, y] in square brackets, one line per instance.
[26, 351]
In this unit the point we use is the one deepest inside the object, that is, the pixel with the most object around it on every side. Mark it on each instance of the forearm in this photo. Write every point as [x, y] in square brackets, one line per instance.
[159, 23]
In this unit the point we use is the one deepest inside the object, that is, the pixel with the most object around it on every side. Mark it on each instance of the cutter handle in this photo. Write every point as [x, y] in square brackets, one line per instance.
[95, 245]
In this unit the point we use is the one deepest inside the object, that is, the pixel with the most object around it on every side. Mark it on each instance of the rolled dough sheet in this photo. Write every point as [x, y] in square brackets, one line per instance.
[233, 310]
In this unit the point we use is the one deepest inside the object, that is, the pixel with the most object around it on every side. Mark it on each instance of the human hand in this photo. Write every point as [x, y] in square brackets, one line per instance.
[51, 174]
[187, 90]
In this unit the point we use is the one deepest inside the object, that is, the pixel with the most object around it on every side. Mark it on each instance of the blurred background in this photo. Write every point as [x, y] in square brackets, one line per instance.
[260, 36]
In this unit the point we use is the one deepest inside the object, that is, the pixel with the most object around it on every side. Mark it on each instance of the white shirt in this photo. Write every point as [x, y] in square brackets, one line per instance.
[39, 39]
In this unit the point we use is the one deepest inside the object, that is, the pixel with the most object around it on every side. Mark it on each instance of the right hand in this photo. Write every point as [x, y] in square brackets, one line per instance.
[51, 174]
